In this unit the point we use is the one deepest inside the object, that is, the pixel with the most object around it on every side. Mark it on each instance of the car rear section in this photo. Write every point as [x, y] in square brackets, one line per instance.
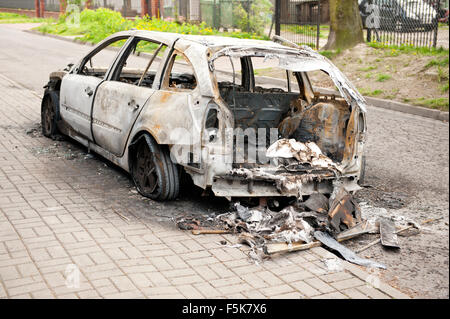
[288, 140]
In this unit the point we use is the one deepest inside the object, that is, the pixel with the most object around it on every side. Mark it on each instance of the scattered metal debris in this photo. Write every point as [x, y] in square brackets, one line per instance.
[210, 231]
[344, 211]
[415, 225]
[317, 202]
[196, 222]
[387, 233]
[302, 225]
[349, 255]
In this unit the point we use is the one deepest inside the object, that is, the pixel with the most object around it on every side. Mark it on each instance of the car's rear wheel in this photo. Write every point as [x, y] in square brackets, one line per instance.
[153, 172]
[49, 114]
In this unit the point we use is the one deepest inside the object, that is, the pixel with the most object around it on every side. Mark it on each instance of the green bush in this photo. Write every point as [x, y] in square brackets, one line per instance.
[256, 19]
[95, 25]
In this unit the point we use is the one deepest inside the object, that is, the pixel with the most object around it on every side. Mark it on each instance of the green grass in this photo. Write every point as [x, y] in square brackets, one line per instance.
[262, 71]
[7, 17]
[330, 54]
[368, 68]
[309, 30]
[369, 92]
[444, 87]
[437, 103]
[95, 25]
[383, 77]
[442, 74]
[438, 62]
[396, 50]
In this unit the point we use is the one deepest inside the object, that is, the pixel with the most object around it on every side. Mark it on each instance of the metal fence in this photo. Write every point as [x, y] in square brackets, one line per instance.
[17, 4]
[393, 22]
[128, 8]
[401, 22]
[299, 20]
[220, 13]
[216, 13]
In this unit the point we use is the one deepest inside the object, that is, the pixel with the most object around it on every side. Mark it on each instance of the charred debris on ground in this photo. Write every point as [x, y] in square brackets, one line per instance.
[272, 228]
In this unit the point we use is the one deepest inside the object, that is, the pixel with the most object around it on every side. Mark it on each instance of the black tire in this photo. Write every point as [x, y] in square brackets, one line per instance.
[153, 172]
[50, 113]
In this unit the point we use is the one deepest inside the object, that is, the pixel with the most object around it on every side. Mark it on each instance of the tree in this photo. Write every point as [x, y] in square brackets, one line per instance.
[346, 28]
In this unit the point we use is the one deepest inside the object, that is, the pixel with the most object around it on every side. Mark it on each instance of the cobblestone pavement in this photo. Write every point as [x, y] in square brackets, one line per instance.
[61, 207]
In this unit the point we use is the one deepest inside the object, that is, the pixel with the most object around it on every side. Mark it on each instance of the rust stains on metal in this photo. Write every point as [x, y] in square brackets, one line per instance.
[344, 211]
[165, 96]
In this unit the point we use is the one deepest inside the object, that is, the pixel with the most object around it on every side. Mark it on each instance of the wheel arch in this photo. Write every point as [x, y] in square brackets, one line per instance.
[52, 94]
[54, 82]
[168, 172]
[137, 137]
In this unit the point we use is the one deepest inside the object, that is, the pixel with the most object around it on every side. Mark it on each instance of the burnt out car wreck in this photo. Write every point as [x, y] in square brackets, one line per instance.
[158, 104]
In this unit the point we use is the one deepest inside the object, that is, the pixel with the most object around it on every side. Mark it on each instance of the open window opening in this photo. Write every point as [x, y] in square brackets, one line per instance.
[180, 75]
[290, 104]
[99, 61]
[139, 65]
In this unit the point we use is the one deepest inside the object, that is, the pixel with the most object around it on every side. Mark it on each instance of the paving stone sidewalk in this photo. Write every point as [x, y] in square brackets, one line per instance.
[71, 226]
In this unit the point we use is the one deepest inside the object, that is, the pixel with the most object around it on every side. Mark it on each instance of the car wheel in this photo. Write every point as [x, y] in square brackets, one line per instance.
[153, 172]
[49, 113]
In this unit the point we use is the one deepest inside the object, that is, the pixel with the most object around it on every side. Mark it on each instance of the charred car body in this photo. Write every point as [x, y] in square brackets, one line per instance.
[175, 111]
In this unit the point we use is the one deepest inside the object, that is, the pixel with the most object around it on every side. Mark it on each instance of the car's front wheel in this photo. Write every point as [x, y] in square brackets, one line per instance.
[153, 172]
[49, 113]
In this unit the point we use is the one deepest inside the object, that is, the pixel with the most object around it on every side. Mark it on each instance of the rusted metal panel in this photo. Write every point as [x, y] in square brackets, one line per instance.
[388, 233]
[344, 212]
[348, 254]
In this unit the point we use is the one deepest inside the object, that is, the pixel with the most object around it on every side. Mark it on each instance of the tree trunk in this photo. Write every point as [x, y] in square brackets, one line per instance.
[346, 28]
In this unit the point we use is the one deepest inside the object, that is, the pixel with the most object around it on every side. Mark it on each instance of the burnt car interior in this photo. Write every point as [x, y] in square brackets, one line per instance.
[300, 114]
[179, 76]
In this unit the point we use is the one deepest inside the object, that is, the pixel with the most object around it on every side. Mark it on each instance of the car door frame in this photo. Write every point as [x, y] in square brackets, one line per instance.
[164, 97]
[112, 73]
[76, 71]
[105, 43]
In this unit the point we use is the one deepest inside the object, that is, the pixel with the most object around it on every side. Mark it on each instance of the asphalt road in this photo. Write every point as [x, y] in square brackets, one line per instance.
[407, 166]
